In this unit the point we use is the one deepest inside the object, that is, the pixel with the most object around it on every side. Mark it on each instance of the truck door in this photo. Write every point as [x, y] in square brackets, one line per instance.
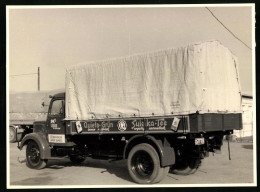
[55, 124]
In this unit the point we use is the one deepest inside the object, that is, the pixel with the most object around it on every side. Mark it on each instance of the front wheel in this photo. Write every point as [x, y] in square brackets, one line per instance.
[33, 159]
[144, 165]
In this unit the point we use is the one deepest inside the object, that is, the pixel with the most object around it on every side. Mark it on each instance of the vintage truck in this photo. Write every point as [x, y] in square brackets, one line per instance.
[162, 111]
[24, 109]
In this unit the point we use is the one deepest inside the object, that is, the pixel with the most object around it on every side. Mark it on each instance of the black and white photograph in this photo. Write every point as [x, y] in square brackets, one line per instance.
[130, 96]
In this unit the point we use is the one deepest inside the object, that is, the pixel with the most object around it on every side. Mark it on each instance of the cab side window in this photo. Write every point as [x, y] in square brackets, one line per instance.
[57, 107]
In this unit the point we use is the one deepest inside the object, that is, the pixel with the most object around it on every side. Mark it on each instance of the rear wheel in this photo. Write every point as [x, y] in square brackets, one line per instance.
[33, 159]
[186, 167]
[77, 159]
[144, 165]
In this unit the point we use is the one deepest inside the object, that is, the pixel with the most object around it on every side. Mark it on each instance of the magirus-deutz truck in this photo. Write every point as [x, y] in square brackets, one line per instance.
[163, 110]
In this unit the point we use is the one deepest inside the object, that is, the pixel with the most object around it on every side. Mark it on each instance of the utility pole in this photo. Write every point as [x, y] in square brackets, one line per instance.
[38, 78]
[30, 74]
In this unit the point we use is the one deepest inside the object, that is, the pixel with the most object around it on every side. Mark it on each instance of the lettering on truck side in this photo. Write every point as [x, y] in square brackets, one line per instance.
[53, 124]
[155, 124]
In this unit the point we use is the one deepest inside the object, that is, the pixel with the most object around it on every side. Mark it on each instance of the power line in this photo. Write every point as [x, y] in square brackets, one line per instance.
[30, 74]
[227, 28]
[23, 74]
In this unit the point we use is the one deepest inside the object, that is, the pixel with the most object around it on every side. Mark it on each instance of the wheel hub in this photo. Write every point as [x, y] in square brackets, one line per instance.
[143, 164]
[34, 155]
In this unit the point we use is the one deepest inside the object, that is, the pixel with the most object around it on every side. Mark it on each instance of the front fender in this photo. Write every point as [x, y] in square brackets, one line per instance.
[41, 140]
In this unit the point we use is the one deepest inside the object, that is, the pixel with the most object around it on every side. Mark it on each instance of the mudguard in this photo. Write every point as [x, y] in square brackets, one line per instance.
[41, 140]
[166, 152]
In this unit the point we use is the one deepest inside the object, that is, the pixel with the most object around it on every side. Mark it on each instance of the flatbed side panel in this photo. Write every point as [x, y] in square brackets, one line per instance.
[195, 121]
[21, 122]
[232, 121]
[169, 124]
[213, 122]
[219, 122]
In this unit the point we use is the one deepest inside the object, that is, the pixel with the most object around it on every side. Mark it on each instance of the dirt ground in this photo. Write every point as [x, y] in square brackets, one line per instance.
[216, 169]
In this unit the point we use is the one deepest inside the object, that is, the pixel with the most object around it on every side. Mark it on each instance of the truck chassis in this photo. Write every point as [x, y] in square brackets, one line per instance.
[152, 145]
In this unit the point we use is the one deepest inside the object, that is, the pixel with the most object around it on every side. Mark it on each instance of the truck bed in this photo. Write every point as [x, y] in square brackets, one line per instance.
[173, 81]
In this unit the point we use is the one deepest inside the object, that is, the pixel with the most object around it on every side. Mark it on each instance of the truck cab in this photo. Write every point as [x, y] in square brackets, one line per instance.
[55, 124]
[46, 134]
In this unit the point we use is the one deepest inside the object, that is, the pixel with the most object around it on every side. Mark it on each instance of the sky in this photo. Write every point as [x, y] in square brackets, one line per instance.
[56, 38]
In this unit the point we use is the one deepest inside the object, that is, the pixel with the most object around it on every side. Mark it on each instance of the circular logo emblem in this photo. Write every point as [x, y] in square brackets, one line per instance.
[121, 125]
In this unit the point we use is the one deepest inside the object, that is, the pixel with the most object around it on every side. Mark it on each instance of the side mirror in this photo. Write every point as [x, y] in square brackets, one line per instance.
[61, 110]
[43, 104]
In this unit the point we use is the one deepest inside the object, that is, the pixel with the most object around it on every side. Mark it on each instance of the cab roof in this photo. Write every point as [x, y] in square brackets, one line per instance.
[58, 95]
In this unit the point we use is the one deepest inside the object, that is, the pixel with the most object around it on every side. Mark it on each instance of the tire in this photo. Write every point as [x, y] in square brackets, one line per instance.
[77, 159]
[162, 174]
[186, 167]
[33, 159]
[144, 165]
[12, 135]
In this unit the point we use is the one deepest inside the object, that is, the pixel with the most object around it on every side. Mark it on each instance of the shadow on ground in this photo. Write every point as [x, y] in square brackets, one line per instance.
[250, 146]
[34, 181]
[117, 168]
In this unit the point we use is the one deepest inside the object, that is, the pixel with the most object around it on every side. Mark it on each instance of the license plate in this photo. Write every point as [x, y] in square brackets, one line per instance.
[199, 141]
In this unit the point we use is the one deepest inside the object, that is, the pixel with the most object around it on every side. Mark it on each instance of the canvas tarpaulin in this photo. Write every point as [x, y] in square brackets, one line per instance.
[200, 78]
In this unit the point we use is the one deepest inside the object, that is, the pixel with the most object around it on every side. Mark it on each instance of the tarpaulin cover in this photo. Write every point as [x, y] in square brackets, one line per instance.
[196, 78]
[27, 106]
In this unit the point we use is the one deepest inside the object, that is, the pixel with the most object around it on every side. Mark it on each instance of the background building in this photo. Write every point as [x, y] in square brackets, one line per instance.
[247, 117]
